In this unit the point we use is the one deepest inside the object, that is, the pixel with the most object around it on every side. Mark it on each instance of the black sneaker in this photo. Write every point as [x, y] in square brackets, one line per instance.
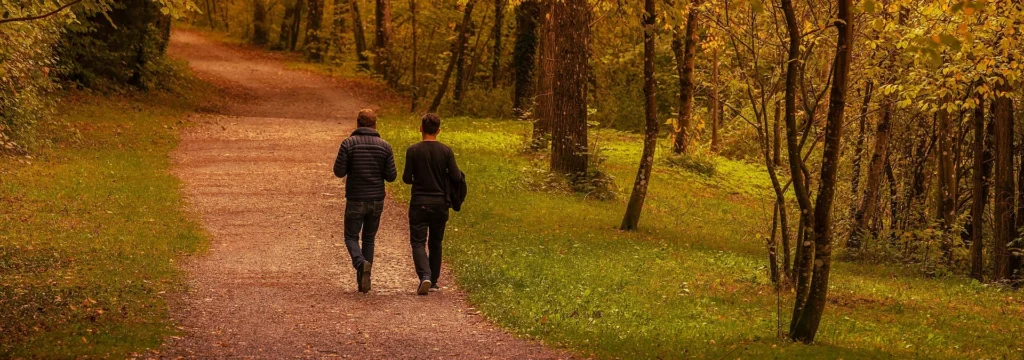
[424, 287]
[364, 278]
[434, 288]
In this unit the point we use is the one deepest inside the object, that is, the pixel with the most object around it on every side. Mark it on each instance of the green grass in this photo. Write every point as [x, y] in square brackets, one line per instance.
[693, 281]
[91, 229]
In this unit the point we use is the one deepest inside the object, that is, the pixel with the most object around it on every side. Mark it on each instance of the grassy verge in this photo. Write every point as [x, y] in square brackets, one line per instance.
[692, 282]
[91, 228]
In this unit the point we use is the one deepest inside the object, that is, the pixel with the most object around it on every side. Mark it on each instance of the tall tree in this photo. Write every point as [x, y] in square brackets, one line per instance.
[643, 173]
[1005, 231]
[499, 23]
[865, 213]
[569, 128]
[716, 121]
[981, 174]
[260, 33]
[382, 42]
[338, 25]
[805, 321]
[360, 36]
[415, 56]
[458, 48]
[684, 45]
[314, 17]
[524, 55]
[545, 98]
[947, 179]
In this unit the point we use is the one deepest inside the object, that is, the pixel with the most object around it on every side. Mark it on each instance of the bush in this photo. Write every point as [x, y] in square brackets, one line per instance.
[27, 58]
[124, 47]
[699, 163]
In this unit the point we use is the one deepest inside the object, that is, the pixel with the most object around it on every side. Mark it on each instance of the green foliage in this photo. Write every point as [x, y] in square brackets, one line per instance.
[125, 45]
[91, 230]
[699, 163]
[26, 55]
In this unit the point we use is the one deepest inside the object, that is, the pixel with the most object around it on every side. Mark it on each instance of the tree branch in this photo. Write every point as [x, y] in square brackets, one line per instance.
[46, 15]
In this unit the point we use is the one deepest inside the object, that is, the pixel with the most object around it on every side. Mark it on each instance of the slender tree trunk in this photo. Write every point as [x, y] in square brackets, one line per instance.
[382, 43]
[569, 130]
[524, 55]
[462, 76]
[643, 174]
[773, 255]
[499, 23]
[285, 36]
[260, 33]
[802, 268]
[716, 121]
[296, 25]
[805, 324]
[341, 9]
[684, 45]
[314, 17]
[360, 36]
[415, 57]
[777, 137]
[947, 182]
[545, 107]
[457, 50]
[858, 152]
[982, 173]
[1005, 232]
[865, 213]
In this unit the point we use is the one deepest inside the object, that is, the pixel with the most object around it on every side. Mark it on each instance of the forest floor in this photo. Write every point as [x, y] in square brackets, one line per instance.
[276, 281]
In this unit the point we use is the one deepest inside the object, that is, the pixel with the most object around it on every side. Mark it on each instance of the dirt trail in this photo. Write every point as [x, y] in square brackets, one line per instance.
[276, 282]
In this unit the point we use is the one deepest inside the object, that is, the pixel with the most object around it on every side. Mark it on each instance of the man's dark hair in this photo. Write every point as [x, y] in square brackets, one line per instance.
[366, 118]
[431, 123]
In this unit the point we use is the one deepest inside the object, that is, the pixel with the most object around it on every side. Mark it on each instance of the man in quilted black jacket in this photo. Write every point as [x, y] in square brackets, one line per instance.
[367, 161]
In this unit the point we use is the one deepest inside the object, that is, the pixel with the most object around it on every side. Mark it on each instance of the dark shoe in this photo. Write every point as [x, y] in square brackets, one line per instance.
[434, 288]
[364, 279]
[424, 287]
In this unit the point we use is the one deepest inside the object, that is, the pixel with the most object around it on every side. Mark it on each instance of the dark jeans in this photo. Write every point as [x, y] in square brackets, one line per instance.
[365, 216]
[426, 230]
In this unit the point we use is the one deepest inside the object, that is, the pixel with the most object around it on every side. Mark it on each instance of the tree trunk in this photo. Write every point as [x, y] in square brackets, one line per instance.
[284, 38]
[569, 129]
[461, 74]
[382, 43]
[865, 213]
[260, 33]
[545, 107]
[643, 174]
[341, 8]
[684, 45]
[296, 24]
[804, 259]
[524, 55]
[415, 57]
[499, 22]
[858, 152]
[457, 50]
[1005, 231]
[716, 140]
[805, 323]
[314, 17]
[360, 36]
[982, 173]
[947, 181]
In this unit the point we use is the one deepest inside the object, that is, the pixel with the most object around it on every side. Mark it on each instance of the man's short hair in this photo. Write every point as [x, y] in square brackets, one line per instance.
[366, 118]
[430, 123]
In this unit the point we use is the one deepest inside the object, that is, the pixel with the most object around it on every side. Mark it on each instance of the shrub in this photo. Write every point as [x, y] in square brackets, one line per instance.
[27, 58]
[699, 163]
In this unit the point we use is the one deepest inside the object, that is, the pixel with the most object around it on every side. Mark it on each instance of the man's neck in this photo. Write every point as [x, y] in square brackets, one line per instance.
[427, 137]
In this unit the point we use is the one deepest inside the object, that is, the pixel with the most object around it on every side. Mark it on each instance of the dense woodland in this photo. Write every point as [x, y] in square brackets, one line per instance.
[887, 127]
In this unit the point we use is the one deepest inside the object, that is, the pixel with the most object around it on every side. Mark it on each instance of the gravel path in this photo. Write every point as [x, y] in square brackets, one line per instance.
[276, 281]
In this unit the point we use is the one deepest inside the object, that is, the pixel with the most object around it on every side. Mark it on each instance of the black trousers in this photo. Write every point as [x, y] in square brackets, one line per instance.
[362, 216]
[426, 231]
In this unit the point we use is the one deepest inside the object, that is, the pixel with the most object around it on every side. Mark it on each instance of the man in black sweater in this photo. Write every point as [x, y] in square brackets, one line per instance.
[368, 162]
[431, 169]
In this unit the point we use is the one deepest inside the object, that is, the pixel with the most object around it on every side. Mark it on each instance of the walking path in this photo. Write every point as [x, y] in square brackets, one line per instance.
[276, 282]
